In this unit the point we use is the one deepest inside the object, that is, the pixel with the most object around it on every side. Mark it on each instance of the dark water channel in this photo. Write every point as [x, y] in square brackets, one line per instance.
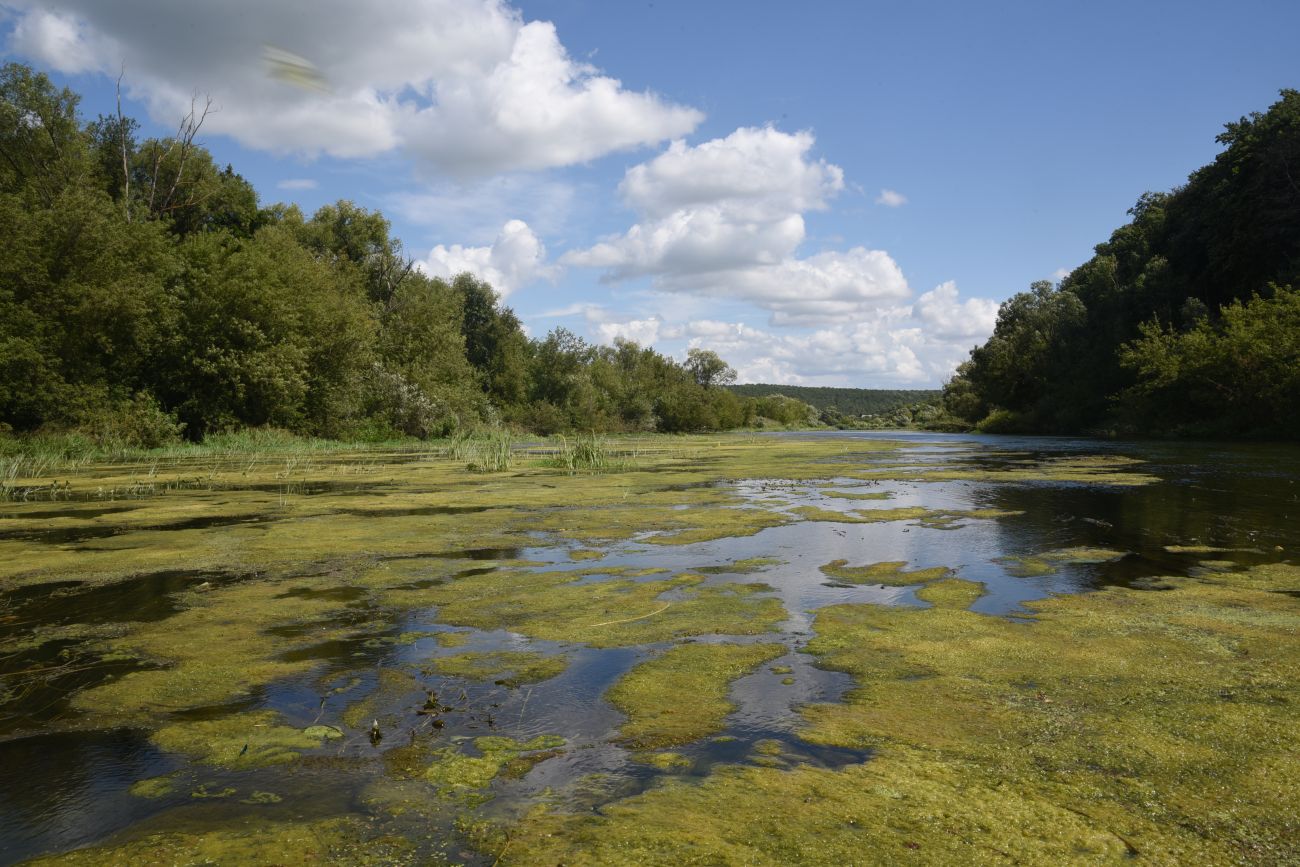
[64, 783]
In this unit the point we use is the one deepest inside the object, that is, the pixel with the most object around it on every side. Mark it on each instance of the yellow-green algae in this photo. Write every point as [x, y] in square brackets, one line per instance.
[858, 495]
[951, 593]
[941, 519]
[215, 650]
[664, 761]
[511, 667]
[390, 686]
[245, 740]
[155, 787]
[335, 841]
[681, 695]
[454, 771]
[889, 572]
[1049, 562]
[742, 567]
[616, 612]
[1119, 724]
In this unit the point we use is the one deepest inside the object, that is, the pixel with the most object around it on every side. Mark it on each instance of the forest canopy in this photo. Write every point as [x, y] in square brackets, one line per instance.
[1185, 322]
[146, 294]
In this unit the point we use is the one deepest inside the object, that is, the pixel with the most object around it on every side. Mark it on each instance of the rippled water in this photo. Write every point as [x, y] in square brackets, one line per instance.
[69, 788]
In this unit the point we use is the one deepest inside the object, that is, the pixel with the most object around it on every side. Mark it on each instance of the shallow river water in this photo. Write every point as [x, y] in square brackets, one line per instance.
[66, 781]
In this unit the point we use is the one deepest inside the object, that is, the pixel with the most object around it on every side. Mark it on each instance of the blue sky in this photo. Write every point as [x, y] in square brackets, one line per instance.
[825, 193]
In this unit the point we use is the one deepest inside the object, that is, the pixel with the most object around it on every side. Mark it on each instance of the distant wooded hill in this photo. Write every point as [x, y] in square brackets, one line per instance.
[849, 401]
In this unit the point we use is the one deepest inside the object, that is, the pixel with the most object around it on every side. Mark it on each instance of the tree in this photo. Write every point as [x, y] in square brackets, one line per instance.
[708, 369]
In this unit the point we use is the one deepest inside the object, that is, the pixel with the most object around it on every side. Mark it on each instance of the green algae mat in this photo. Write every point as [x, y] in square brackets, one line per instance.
[796, 649]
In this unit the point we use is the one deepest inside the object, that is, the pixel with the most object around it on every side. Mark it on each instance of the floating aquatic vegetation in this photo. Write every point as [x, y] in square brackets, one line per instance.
[859, 495]
[616, 612]
[244, 740]
[155, 787]
[681, 695]
[741, 567]
[1116, 725]
[890, 572]
[507, 667]
[454, 772]
[941, 519]
[1049, 562]
[343, 841]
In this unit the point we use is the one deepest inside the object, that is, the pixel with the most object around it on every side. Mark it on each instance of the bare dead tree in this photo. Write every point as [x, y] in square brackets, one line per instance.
[182, 142]
[121, 131]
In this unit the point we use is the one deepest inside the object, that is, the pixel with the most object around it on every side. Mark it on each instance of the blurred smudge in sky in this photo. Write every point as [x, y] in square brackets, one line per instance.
[293, 69]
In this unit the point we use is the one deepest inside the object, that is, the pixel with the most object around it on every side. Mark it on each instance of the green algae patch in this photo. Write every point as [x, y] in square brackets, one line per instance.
[391, 685]
[1049, 562]
[453, 639]
[1163, 718]
[681, 695]
[585, 554]
[858, 495]
[939, 519]
[664, 761]
[951, 593]
[1087, 470]
[454, 772]
[611, 613]
[155, 787]
[214, 651]
[343, 841]
[885, 812]
[1118, 725]
[747, 566]
[247, 740]
[890, 572]
[509, 667]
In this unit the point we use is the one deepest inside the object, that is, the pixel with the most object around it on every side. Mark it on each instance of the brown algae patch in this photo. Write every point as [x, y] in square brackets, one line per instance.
[681, 695]
[246, 740]
[1048, 563]
[507, 667]
[890, 572]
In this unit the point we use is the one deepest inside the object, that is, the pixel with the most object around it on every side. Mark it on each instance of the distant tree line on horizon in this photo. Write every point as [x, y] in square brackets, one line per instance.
[145, 295]
[846, 403]
[1185, 322]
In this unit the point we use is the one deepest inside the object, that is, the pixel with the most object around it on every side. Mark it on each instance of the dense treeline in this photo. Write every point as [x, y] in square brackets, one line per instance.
[848, 402]
[146, 294]
[1187, 321]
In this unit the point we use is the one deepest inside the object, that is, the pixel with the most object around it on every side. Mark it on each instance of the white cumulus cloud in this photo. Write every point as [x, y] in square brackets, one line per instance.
[297, 184]
[466, 86]
[724, 219]
[891, 199]
[946, 317]
[516, 258]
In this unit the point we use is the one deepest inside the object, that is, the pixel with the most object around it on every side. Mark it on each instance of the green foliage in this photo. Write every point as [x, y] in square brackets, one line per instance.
[1238, 375]
[849, 402]
[1091, 352]
[145, 294]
